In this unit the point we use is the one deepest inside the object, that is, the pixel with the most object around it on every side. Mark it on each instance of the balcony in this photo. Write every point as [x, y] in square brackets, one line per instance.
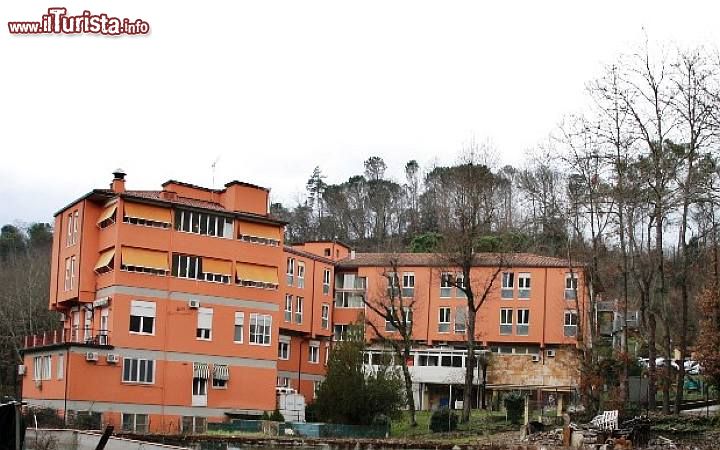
[81, 336]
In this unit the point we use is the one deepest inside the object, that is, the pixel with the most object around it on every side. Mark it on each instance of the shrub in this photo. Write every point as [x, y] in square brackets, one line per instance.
[443, 420]
[514, 405]
[277, 416]
[265, 416]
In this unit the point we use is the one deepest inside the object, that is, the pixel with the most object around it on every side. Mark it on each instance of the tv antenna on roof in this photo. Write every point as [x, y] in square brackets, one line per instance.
[213, 166]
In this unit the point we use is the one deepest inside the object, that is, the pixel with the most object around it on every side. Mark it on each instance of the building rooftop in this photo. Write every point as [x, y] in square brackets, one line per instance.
[436, 260]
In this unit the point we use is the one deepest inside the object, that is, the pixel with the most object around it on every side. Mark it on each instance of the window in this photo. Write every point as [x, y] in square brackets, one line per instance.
[523, 322]
[571, 321]
[446, 279]
[327, 352]
[282, 382]
[194, 425]
[104, 326]
[299, 309]
[69, 237]
[301, 274]
[221, 375]
[199, 387]
[524, 285]
[290, 271]
[460, 282]
[87, 326]
[138, 371]
[571, 285]
[239, 327]
[508, 285]
[444, 320]
[349, 300]
[61, 367]
[340, 332]
[348, 281]
[407, 319]
[142, 317]
[284, 349]
[68, 271]
[316, 388]
[147, 215]
[186, 266]
[260, 328]
[326, 252]
[203, 223]
[460, 319]
[506, 321]
[76, 219]
[326, 282]
[201, 375]
[136, 423]
[392, 279]
[325, 316]
[288, 308]
[42, 367]
[314, 352]
[204, 324]
[75, 327]
[72, 272]
[408, 286]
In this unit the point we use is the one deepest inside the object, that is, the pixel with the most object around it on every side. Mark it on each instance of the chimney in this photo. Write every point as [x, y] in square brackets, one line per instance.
[168, 195]
[118, 182]
[352, 254]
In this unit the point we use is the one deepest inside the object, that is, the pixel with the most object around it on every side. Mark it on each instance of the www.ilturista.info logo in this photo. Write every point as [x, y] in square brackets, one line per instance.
[56, 21]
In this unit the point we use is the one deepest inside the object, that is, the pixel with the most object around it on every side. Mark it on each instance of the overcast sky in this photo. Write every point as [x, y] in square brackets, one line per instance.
[271, 88]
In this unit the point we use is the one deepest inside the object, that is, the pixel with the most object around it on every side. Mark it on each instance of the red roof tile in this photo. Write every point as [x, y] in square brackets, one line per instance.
[437, 260]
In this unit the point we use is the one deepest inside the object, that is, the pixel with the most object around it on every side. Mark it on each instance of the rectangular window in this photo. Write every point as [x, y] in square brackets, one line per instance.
[72, 272]
[571, 322]
[508, 285]
[194, 424]
[460, 282]
[523, 322]
[142, 317]
[135, 423]
[392, 287]
[407, 319]
[523, 285]
[349, 300]
[290, 271]
[68, 271]
[506, 321]
[204, 324]
[325, 316]
[444, 320]
[446, 286]
[571, 285]
[408, 286]
[314, 352]
[199, 387]
[61, 367]
[299, 309]
[239, 327]
[288, 308]
[284, 350]
[339, 332]
[260, 329]
[186, 266]
[203, 223]
[326, 282]
[301, 274]
[138, 371]
[460, 319]
[42, 368]
[76, 219]
[69, 237]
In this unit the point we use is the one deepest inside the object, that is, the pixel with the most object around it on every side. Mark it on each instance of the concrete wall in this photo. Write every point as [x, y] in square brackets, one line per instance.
[85, 440]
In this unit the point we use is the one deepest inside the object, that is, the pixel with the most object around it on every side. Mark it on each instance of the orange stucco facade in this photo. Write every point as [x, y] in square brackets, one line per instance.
[185, 304]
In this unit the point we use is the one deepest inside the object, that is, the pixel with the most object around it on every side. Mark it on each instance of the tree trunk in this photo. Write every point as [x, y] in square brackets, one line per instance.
[469, 361]
[652, 355]
[408, 389]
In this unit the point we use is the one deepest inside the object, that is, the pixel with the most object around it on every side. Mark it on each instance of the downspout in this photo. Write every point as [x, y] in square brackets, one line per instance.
[542, 342]
[66, 376]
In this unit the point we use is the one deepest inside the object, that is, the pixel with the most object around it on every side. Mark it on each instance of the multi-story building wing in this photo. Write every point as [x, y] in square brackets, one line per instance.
[528, 323]
[171, 304]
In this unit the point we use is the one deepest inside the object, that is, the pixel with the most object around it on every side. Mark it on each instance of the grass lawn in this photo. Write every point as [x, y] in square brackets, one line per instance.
[481, 423]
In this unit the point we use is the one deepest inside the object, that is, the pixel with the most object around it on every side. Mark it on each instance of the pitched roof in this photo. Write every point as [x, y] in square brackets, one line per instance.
[437, 260]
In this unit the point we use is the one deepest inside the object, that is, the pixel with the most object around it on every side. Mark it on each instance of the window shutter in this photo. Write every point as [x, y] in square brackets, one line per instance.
[205, 316]
[140, 308]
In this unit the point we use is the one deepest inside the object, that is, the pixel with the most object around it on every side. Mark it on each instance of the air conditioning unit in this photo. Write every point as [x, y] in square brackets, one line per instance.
[112, 358]
[21, 369]
[535, 358]
[194, 304]
[91, 356]
[550, 353]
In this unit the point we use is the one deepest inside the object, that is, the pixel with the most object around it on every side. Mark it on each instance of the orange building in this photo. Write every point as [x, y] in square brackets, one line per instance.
[184, 305]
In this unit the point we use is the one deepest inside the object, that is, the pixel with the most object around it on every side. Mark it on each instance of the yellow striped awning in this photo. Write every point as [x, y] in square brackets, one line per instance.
[106, 256]
[254, 272]
[217, 266]
[149, 259]
[260, 230]
[107, 213]
[148, 212]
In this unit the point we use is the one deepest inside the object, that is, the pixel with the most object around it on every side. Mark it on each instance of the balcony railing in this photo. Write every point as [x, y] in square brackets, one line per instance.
[89, 336]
